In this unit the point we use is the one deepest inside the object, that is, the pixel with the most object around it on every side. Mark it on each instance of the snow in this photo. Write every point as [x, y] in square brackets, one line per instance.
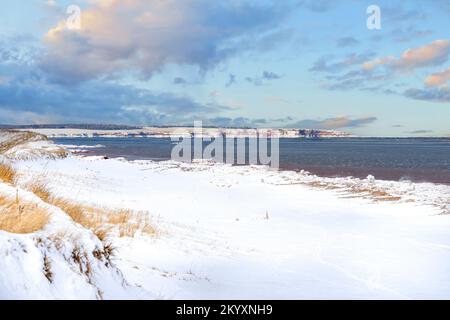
[23, 258]
[250, 233]
[72, 146]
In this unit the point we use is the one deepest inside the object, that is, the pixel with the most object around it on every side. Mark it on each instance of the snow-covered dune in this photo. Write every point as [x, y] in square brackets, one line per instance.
[249, 232]
[28, 145]
[61, 261]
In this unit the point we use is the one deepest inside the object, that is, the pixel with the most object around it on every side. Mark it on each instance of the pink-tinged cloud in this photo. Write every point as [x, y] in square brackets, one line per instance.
[369, 65]
[438, 79]
[143, 36]
[435, 53]
[333, 123]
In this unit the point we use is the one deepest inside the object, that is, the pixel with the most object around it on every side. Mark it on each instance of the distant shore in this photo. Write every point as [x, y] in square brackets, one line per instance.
[159, 132]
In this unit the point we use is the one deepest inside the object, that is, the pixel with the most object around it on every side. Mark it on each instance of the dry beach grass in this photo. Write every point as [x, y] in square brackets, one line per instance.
[17, 216]
[102, 222]
[21, 217]
[7, 173]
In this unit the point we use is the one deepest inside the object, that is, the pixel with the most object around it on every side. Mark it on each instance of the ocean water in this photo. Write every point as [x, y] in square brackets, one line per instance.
[413, 159]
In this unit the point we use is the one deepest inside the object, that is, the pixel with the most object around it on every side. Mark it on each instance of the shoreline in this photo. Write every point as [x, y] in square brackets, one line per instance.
[320, 171]
[365, 188]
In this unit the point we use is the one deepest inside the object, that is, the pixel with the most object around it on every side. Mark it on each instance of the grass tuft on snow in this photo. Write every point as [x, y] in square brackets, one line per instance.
[7, 173]
[21, 218]
[103, 223]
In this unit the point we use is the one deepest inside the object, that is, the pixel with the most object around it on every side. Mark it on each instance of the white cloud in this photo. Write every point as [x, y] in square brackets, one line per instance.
[144, 36]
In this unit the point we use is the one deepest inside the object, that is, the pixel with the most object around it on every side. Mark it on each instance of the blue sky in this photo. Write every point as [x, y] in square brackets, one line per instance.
[299, 63]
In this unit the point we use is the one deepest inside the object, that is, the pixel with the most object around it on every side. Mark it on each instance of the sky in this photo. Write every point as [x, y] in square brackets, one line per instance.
[241, 63]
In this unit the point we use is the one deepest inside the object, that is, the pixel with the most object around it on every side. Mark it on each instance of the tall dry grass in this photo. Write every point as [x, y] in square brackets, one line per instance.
[129, 223]
[7, 173]
[104, 223]
[18, 217]
[40, 190]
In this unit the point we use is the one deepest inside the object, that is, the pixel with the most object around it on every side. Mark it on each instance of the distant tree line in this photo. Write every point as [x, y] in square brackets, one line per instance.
[309, 133]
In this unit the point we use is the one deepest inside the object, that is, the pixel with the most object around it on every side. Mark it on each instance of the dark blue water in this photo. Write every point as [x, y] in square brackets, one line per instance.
[415, 159]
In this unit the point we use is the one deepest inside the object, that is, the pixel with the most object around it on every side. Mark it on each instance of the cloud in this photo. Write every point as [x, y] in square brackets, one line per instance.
[268, 75]
[286, 122]
[419, 131]
[265, 77]
[401, 14]
[438, 79]
[409, 33]
[96, 101]
[8, 116]
[143, 36]
[355, 79]
[432, 54]
[272, 39]
[244, 122]
[435, 53]
[51, 3]
[285, 119]
[330, 65]
[255, 81]
[370, 65]
[431, 94]
[347, 42]
[333, 123]
[179, 81]
[20, 49]
[231, 80]
[239, 122]
[370, 78]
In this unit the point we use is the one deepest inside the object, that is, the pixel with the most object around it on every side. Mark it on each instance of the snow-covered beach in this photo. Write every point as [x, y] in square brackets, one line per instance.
[222, 158]
[225, 232]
